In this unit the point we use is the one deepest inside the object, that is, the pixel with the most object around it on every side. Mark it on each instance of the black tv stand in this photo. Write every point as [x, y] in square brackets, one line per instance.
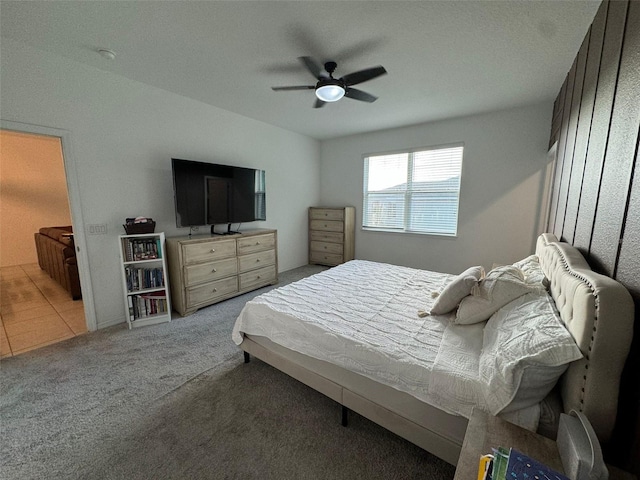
[228, 232]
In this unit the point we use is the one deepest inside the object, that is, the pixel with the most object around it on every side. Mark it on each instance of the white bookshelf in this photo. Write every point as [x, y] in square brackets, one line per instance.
[145, 279]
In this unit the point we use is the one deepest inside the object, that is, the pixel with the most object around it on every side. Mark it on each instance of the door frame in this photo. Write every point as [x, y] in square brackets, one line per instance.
[73, 192]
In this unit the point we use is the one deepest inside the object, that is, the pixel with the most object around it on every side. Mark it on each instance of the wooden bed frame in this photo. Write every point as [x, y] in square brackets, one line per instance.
[597, 310]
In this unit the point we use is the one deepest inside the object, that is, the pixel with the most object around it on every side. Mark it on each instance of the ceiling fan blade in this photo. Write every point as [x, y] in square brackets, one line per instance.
[319, 103]
[313, 66]
[299, 87]
[363, 75]
[356, 94]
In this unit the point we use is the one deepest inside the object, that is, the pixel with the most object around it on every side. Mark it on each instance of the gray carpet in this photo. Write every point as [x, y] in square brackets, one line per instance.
[176, 401]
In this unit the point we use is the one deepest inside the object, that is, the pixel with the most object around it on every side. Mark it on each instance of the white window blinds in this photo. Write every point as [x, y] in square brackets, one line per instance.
[416, 191]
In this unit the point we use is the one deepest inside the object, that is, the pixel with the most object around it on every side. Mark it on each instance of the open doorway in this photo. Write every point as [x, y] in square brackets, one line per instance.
[41, 300]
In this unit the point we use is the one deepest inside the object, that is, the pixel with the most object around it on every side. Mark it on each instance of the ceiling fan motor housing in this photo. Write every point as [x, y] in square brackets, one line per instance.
[330, 67]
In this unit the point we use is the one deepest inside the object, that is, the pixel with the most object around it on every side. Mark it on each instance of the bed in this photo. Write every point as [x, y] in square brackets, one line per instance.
[375, 339]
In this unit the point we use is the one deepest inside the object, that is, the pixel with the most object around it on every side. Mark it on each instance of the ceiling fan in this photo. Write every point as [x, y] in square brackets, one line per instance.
[329, 89]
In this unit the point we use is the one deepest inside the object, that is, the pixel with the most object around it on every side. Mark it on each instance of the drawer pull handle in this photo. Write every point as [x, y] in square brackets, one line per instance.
[259, 277]
[257, 243]
[257, 260]
[215, 290]
[213, 250]
[214, 270]
[325, 225]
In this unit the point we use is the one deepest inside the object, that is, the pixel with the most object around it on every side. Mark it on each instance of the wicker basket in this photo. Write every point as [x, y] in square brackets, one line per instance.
[136, 228]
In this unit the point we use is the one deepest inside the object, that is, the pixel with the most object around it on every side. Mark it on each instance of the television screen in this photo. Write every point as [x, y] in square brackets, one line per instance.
[212, 194]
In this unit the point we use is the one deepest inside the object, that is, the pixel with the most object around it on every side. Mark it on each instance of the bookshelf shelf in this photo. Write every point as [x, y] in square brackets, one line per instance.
[144, 279]
[136, 262]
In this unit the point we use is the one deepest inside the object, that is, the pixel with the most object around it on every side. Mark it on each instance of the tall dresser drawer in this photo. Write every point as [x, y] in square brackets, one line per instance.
[207, 251]
[207, 272]
[209, 292]
[326, 247]
[256, 260]
[327, 214]
[325, 258]
[256, 243]
[321, 236]
[327, 225]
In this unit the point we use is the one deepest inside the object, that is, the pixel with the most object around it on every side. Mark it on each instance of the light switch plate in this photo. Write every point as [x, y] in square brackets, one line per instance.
[97, 229]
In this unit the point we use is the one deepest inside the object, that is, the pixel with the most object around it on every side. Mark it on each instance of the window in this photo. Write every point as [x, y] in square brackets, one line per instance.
[415, 191]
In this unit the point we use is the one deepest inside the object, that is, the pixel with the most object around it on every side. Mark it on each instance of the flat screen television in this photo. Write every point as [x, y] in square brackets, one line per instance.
[212, 194]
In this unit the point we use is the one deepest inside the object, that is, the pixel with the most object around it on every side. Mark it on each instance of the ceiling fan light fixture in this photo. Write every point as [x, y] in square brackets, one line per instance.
[330, 93]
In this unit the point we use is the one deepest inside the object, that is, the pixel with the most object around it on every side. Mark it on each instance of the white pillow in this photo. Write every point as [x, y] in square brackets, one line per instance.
[525, 349]
[455, 291]
[533, 274]
[499, 287]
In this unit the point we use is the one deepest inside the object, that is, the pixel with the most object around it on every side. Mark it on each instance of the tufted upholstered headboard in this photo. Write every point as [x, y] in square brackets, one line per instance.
[598, 311]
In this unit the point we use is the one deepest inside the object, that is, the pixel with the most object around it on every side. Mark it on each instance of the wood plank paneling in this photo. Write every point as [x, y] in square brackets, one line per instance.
[556, 123]
[629, 260]
[619, 159]
[562, 143]
[628, 273]
[584, 123]
[569, 150]
[607, 79]
[602, 214]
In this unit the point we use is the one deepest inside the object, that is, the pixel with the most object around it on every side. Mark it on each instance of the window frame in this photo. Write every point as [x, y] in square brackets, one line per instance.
[407, 194]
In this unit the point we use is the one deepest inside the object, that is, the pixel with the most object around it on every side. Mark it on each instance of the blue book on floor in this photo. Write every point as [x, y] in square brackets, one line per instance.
[523, 467]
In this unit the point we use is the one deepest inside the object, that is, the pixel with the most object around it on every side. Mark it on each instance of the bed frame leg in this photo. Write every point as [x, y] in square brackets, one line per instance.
[345, 416]
[247, 357]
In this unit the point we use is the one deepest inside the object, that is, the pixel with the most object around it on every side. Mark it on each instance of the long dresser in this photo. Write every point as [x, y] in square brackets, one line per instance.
[204, 270]
[331, 235]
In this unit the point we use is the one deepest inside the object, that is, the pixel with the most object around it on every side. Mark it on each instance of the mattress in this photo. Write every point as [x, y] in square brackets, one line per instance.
[363, 316]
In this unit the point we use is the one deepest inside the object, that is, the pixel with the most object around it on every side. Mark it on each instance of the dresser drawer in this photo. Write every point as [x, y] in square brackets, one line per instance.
[327, 225]
[261, 276]
[256, 243]
[324, 247]
[326, 214]
[209, 292]
[256, 260]
[207, 272]
[207, 251]
[325, 258]
[320, 236]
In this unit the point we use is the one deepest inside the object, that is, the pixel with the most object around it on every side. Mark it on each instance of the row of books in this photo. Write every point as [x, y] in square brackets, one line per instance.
[143, 278]
[141, 249]
[146, 305]
[511, 464]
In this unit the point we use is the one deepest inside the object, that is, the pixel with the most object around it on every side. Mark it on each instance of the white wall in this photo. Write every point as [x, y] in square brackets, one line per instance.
[124, 134]
[501, 189]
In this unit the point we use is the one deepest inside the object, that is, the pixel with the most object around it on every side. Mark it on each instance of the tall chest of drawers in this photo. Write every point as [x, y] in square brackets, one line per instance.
[331, 235]
[208, 269]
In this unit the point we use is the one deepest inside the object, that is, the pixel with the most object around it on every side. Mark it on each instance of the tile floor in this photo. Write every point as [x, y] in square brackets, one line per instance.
[35, 311]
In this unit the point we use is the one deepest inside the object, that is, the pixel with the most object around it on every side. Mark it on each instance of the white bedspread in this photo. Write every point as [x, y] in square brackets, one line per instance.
[363, 316]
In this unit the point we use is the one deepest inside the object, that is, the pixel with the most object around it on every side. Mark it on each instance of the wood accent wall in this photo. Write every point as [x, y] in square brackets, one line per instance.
[595, 200]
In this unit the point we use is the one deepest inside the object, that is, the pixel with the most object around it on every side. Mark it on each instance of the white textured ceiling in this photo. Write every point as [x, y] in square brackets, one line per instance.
[444, 58]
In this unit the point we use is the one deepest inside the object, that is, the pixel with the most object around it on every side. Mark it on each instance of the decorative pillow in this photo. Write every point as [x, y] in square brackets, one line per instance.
[499, 287]
[525, 349]
[455, 291]
[533, 274]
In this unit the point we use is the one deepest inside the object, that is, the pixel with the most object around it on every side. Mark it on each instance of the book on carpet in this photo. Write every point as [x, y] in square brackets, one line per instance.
[511, 464]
